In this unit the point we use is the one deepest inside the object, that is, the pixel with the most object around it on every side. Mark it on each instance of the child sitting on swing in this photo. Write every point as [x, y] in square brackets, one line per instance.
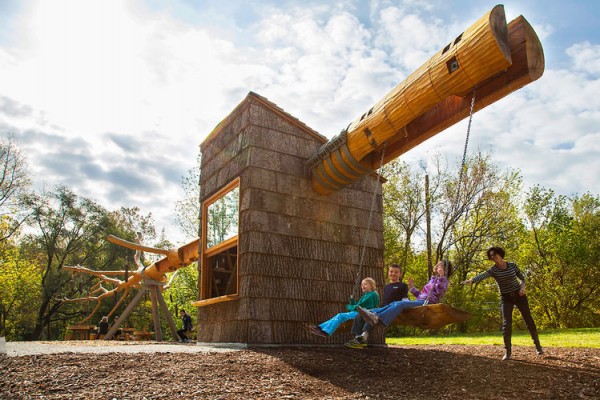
[369, 299]
[431, 293]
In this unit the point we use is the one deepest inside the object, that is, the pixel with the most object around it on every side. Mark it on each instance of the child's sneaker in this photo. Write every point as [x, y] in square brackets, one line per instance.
[356, 343]
[369, 316]
[316, 330]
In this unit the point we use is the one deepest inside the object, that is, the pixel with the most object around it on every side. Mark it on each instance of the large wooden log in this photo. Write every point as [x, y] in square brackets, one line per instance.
[527, 66]
[173, 260]
[432, 316]
[491, 56]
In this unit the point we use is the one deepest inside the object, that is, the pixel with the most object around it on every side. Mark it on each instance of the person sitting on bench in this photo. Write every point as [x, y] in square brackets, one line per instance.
[396, 290]
[431, 293]
[187, 326]
[369, 299]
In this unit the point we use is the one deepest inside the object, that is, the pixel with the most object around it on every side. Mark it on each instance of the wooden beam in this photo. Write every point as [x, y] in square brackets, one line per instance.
[527, 66]
[490, 57]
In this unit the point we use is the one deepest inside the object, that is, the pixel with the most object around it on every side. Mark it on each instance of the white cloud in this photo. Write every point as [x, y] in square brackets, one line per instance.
[123, 94]
[411, 39]
[586, 57]
[547, 131]
[323, 66]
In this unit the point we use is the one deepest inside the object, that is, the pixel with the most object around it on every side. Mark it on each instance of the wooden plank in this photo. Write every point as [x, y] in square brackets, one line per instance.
[293, 246]
[344, 232]
[270, 138]
[434, 316]
[297, 268]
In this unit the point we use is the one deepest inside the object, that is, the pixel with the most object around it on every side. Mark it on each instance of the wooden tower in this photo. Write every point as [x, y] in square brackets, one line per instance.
[275, 254]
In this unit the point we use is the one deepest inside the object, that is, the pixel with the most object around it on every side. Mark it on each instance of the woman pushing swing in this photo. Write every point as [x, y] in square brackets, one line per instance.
[512, 294]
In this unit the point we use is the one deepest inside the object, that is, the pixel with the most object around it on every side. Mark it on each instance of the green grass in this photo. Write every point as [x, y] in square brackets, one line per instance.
[582, 337]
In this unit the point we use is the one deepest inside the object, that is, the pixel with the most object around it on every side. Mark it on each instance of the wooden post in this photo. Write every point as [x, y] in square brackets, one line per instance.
[155, 316]
[166, 313]
[157, 300]
[125, 314]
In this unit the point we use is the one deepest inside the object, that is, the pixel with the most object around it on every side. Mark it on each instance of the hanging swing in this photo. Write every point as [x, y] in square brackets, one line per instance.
[428, 316]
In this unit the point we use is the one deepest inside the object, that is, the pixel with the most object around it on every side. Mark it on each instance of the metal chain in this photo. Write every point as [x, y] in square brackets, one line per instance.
[464, 161]
[358, 277]
[464, 158]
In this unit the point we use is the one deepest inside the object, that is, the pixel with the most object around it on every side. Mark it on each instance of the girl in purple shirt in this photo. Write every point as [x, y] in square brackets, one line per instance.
[431, 293]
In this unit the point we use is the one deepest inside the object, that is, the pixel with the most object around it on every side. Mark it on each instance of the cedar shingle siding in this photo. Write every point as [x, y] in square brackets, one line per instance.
[298, 251]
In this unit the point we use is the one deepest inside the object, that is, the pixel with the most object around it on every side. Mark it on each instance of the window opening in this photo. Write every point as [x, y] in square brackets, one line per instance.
[220, 218]
[452, 65]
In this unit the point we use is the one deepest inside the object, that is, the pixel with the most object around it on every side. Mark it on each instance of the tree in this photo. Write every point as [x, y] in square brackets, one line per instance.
[14, 188]
[470, 211]
[560, 255]
[187, 210]
[403, 210]
[70, 231]
[489, 215]
[19, 286]
[465, 217]
[183, 289]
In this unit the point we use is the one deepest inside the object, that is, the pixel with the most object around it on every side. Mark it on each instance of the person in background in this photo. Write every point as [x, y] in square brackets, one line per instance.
[369, 299]
[118, 332]
[511, 284]
[102, 327]
[396, 290]
[187, 326]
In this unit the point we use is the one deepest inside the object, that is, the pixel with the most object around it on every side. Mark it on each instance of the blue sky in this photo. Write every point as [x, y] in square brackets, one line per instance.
[113, 97]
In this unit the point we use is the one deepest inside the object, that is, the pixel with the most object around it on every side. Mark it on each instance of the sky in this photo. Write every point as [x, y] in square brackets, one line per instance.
[113, 97]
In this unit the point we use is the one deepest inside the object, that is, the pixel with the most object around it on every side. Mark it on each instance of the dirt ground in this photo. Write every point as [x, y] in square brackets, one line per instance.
[396, 372]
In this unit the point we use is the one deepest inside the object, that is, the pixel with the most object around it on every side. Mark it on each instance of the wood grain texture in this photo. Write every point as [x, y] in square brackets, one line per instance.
[298, 251]
[490, 56]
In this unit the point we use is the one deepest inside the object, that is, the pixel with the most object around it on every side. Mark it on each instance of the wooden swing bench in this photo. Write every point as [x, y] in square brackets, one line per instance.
[432, 316]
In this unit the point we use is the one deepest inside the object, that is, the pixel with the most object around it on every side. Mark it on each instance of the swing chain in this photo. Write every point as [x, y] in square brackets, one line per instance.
[462, 164]
[357, 279]
[464, 158]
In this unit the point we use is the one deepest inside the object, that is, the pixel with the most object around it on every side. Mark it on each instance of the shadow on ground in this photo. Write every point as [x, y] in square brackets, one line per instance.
[407, 372]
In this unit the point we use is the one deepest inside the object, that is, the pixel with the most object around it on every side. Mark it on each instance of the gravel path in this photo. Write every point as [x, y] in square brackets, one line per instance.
[17, 349]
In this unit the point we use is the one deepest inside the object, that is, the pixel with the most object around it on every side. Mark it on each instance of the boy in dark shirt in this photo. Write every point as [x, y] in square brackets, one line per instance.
[396, 290]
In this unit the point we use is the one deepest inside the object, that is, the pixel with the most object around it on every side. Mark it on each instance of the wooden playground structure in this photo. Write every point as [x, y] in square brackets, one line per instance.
[287, 216]
[151, 279]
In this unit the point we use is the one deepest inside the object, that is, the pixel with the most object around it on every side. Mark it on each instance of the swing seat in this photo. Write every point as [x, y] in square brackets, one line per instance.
[433, 316]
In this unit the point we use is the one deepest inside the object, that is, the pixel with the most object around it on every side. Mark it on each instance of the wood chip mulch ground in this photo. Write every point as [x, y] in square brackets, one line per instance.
[396, 372]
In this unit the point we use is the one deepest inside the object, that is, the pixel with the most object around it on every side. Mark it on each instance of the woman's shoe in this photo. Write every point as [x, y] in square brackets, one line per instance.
[538, 349]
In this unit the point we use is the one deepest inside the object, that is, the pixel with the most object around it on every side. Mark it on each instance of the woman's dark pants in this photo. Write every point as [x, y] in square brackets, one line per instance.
[509, 301]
